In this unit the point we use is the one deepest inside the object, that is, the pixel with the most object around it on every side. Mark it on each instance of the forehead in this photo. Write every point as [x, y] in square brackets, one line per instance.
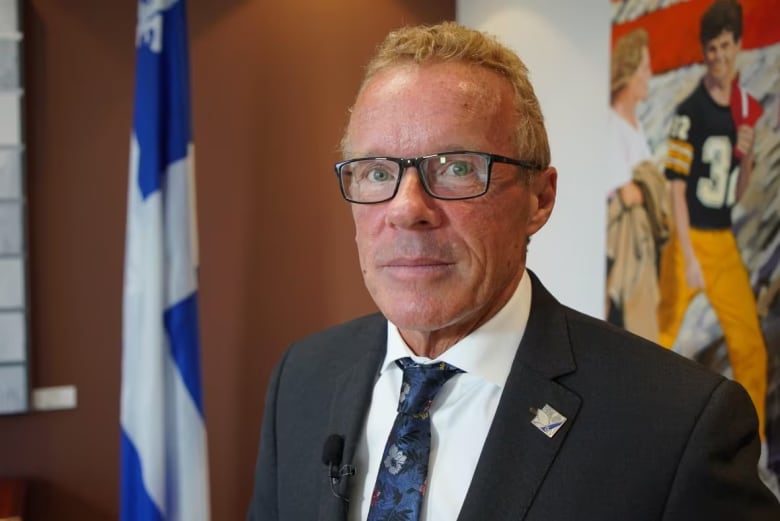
[416, 109]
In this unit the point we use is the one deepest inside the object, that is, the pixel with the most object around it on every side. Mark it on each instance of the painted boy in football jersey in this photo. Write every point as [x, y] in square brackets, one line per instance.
[709, 165]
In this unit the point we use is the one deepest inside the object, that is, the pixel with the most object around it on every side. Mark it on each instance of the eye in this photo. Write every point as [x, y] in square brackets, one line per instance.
[459, 168]
[373, 171]
[378, 175]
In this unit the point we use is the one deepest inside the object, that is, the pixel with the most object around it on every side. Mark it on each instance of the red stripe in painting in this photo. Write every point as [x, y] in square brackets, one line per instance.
[674, 31]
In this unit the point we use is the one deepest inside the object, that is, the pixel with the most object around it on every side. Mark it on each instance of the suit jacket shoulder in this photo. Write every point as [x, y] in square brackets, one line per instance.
[648, 435]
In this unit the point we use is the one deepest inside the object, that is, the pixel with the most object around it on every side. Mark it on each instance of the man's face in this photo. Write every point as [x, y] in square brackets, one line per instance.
[720, 56]
[435, 267]
[639, 82]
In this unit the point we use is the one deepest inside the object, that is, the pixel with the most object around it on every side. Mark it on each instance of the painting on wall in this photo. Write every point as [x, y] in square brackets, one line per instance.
[693, 237]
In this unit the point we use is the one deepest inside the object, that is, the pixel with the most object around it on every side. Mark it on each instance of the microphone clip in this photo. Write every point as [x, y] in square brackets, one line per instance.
[336, 475]
[331, 456]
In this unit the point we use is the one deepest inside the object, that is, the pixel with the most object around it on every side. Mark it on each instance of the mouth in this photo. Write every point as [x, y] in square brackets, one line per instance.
[415, 267]
[415, 262]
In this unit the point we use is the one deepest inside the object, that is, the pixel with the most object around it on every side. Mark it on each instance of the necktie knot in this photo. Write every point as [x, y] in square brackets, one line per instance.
[421, 382]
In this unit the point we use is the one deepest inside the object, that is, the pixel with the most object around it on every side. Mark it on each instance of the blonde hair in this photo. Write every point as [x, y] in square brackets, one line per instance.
[452, 42]
[626, 57]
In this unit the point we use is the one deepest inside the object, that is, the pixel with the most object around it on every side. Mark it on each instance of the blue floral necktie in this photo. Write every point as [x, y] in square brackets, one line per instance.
[402, 479]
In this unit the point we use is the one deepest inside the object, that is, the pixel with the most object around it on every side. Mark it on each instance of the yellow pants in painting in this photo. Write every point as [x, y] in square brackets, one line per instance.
[727, 287]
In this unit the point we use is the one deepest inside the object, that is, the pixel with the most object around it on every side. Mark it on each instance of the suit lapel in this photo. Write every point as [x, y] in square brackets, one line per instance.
[349, 405]
[517, 455]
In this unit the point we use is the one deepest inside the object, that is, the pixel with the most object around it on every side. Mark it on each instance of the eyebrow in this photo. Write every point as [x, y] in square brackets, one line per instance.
[440, 150]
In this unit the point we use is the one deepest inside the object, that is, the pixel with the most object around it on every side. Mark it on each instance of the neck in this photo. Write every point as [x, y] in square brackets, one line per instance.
[626, 109]
[719, 89]
[431, 344]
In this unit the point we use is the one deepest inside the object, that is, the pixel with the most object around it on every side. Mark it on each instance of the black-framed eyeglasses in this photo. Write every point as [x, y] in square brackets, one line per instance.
[461, 174]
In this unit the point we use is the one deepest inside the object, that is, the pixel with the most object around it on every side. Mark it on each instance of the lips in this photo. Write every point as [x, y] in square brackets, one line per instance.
[415, 262]
[415, 269]
[413, 257]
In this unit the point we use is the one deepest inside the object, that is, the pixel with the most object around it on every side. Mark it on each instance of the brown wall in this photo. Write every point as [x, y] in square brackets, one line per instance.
[271, 83]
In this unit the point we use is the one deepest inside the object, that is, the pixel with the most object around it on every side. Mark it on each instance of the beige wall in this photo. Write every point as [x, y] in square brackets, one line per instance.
[566, 48]
[271, 81]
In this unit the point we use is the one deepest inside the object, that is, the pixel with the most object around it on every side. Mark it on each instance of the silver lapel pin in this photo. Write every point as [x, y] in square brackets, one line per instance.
[547, 420]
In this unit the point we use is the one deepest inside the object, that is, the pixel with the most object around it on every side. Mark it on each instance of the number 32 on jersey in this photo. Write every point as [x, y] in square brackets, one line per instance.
[717, 187]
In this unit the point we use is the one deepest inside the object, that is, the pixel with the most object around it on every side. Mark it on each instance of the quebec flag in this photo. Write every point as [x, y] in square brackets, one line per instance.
[164, 465]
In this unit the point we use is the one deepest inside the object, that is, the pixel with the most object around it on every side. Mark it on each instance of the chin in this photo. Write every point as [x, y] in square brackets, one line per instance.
[423, 317]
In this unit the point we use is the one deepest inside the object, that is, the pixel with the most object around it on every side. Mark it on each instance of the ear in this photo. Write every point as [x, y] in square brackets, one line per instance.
[543, 188]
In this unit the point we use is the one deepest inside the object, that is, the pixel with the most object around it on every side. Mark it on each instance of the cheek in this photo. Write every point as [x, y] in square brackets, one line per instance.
[499, 238]
[363, 227]
[363, 215]
[359, 227]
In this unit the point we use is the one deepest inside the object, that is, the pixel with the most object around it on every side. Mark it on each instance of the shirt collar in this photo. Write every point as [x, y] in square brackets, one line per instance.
[488, 351]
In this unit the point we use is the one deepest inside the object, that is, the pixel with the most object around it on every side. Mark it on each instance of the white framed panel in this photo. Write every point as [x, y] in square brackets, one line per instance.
[9, 17]
[10, 118]
[10, 173]
[13, 389]
[13, 337]
[10, 66]
[11, 283]
[14, 359]
[11, 232]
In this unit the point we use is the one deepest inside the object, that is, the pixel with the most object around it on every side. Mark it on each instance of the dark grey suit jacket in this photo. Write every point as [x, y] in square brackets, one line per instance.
[649, 436]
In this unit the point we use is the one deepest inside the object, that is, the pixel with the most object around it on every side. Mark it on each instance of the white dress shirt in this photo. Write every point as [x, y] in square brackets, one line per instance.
[628, 146]
[461, 413]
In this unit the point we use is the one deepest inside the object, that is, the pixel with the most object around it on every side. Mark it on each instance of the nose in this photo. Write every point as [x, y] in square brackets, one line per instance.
[720, 53]
[412, 207]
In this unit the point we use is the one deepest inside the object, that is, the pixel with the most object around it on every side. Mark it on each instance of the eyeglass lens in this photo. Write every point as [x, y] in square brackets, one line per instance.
[448, 176]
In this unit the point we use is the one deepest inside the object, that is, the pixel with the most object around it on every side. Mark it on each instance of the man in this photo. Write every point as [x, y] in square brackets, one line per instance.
[637, 205]
[542, 413]
[707, 177]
